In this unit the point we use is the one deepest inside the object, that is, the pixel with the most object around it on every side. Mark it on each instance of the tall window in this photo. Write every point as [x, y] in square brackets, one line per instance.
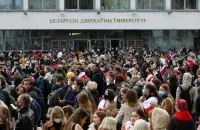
[115, 4]
[151, 4]
[43, 4]
[11, 4]
[184, 4]
[79, 4]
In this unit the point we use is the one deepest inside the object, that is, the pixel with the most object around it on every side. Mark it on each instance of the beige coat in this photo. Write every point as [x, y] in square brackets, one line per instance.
[111, 110]
[125, 112]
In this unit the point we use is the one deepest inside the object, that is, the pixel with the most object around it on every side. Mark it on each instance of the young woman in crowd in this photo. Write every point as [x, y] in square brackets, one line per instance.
[120, 98]
[57, 120]
[68, 111]
[108, 123]
[97, 119]
[131, 104]
[5, 118]
[167, 101]
[150, 97]
[135, 115]
[84, 102]
[107, 104]
[77, 120]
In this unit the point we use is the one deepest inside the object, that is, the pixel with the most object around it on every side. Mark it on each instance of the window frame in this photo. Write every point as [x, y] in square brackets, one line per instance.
[16, 10]
[115, 7]
[150, 8]
[42, 6]
[78, 6]
[185, 6]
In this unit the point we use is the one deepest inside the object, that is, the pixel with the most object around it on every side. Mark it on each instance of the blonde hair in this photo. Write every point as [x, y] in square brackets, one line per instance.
[57, 110]
[108, 123]
[141, 125]
[91, 85]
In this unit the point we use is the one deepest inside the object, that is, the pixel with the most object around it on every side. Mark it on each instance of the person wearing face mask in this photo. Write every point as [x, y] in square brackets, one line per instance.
[26, 115]
[150, 97]
[70, 96]
[57, 120]
[166, 100]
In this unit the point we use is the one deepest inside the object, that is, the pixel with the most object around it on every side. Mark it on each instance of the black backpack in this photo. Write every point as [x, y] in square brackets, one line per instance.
[185, 94]
[53, 98]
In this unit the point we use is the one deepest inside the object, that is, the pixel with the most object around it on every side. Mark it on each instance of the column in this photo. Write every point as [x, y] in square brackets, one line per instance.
[198, 6]
[25, 5]
[133, 4]
[168, 4]
[62, 5]
[97, 4]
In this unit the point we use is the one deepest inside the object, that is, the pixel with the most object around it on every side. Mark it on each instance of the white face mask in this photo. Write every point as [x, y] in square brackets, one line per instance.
[58, 120]
[73, 87]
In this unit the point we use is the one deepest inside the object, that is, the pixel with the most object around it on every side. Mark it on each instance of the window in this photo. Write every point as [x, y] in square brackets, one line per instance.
[79, 4]
[115, 4]
[151, 4]
[32, 44]
[11, 4]
[184, 4]
[42, 4]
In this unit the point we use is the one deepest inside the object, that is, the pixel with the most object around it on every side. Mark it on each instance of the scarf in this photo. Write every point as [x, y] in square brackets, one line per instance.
[183, 116]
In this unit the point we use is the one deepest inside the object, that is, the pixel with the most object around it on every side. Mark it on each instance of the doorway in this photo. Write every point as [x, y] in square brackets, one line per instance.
[81, 45]
[114, 44]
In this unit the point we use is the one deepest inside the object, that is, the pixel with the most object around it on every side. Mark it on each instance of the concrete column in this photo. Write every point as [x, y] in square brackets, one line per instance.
[168, 4]
[61, 5]
[25, 5]
[198, 6]
[97, 4]
[133, 4]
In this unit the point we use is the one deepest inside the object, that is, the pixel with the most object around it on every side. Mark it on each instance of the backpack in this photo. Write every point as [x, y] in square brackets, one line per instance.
[185, 94]
[53, 98]
[35, 106]
[40, 100]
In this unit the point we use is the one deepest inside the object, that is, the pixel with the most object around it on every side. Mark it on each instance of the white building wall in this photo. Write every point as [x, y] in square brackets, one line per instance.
[99, 20]
[107, 20]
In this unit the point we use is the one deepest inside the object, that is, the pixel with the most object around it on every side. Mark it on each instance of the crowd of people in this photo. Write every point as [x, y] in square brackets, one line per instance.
[100, 90]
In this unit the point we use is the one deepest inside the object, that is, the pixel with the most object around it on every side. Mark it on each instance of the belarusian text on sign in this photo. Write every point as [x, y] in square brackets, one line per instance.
[101, 20]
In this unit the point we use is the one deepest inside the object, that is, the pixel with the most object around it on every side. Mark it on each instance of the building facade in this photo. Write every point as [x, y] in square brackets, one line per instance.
[103, 24]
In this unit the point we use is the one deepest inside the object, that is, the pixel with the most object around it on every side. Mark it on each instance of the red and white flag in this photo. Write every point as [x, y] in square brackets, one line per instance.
[83, 76]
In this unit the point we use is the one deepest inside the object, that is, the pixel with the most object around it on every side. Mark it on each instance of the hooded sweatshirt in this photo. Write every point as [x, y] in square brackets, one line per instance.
[187, 82]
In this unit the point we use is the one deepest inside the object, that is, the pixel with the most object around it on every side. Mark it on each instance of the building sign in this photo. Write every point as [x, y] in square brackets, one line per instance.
[101, 20]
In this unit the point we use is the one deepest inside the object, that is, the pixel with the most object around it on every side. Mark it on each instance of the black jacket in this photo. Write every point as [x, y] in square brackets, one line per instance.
[176, 124]
[98, 77]
[25, 119]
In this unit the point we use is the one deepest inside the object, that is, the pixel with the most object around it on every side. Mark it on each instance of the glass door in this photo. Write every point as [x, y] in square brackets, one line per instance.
[115, 44]
[80, 45]
[107, 45]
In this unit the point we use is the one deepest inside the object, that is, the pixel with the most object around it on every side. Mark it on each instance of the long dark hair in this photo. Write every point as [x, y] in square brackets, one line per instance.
[152, 90]
[131, 98]
[76, 118]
